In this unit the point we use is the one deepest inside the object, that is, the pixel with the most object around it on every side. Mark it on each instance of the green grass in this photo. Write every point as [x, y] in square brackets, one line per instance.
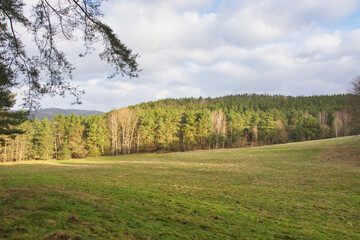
[293, 191]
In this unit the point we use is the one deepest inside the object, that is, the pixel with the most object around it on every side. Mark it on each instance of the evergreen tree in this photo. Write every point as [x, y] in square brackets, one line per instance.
[97, 135]
[311, 128]
[160, 128]
[171, 121]
[188, 130]
[42, 140]
[9, 120]
[76, 141]
[267, 130]
[297, 133]
[203, 128]
[235, 128]
[147, 126]
[64, 153]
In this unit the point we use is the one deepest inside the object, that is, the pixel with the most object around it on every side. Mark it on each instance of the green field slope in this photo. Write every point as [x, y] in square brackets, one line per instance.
[293, 191]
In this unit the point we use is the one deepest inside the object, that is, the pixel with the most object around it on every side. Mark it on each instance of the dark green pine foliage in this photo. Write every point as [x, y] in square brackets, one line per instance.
[203, 128]
[64, 152]
[76, 137]
[97, 135]
[267, 131]
[9, 120]
[311, 128]
[42, 142]
[171, 122]
[188, 130]
[160, 129]
[185, 124]
[147, 126]
[255, 102]
[235, 128]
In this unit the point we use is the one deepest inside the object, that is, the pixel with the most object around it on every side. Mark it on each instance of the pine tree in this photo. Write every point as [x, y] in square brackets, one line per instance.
[147, 126]
[203, 127]
[235, 128]
[97, 135]
[267, 131]
[76, 141]
[9, 120]
[188, 130]
[171, 121]
[311, 128]
[42, 140]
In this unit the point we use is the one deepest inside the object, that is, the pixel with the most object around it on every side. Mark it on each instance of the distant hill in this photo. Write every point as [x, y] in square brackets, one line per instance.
[255, 102]
[51, 112]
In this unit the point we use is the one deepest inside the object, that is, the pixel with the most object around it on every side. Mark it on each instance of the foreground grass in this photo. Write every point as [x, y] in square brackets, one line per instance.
[294, 191]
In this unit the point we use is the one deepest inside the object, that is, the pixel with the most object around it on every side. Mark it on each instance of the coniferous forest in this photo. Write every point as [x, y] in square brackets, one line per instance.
[182, 125]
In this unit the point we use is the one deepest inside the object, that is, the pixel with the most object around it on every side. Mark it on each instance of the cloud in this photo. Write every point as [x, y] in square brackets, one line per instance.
[214, 48]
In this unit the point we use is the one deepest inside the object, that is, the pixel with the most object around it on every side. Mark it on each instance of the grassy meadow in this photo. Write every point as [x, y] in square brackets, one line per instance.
[305, 190]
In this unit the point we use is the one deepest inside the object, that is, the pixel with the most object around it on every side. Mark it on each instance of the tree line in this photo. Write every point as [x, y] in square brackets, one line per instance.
[181, 125]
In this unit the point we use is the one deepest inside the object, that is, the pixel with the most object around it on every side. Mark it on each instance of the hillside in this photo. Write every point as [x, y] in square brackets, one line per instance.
[256, 102]
[306, 190]
[51, 112]
[181, 125]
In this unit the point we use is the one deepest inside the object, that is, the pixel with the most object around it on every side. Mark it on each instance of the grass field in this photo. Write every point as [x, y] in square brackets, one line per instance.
[293, 191]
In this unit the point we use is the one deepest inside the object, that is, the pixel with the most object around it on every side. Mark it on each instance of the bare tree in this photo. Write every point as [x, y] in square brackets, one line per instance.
[354, 106]
[123, 125]
[113, 128]
[219, 126]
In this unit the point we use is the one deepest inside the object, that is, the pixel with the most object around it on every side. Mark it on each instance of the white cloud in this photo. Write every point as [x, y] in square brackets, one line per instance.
[213, 48]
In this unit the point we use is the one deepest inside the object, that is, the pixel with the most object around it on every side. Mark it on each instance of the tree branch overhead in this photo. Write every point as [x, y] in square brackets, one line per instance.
[52, 21]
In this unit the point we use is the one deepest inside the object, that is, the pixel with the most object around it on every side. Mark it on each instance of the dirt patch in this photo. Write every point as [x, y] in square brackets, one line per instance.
[51, 222]
[61, 236]
[73, 218]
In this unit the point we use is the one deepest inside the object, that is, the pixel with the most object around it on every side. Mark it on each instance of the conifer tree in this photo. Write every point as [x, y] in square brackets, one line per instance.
[42, 140]
[171, 121]
[188, 130]
[76, 141]
[160, 129]
[147, 126]
[235, 128]
[97, 140]
[203, 128]
[311, 128]
[9, 120]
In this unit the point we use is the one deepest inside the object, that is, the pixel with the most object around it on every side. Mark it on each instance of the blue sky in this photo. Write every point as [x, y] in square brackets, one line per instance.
[192, 48]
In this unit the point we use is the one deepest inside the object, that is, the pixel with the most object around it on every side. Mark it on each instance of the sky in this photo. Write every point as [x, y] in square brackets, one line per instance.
[212, 48]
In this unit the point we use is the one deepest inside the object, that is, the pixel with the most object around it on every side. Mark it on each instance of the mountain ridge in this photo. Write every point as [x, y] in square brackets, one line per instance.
[51, 112]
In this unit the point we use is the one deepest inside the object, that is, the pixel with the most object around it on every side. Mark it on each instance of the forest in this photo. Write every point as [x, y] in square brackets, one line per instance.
[181, 125]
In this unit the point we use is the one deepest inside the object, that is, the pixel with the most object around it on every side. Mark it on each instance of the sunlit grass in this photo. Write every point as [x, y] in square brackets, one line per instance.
[305, 190]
